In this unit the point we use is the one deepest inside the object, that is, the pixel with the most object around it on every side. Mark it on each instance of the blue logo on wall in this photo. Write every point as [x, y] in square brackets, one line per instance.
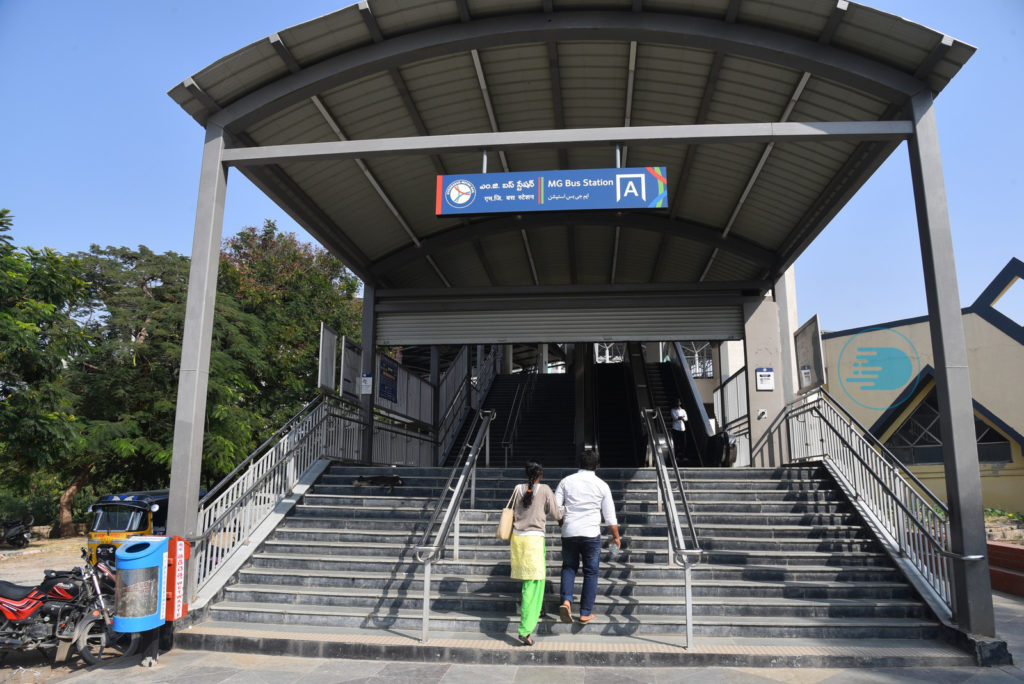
[882, 363]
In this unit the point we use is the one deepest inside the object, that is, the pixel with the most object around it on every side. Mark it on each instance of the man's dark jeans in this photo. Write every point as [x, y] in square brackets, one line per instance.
[573, 549]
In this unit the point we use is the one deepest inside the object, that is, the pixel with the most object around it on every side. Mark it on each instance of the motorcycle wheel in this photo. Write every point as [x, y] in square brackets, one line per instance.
[18, 542]
[99, 644]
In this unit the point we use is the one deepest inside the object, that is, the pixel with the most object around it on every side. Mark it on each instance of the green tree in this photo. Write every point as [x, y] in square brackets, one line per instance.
[90, 347]
[38, 335]
[291, 286]
[126, 381]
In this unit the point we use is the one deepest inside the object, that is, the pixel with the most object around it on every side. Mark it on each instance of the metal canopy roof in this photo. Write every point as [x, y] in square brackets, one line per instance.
[741, 210]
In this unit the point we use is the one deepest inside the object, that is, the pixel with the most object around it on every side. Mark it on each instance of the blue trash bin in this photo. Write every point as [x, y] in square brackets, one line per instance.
[141, 584]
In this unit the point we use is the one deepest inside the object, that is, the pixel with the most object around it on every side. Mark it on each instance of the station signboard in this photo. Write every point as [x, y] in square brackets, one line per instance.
[581, 189]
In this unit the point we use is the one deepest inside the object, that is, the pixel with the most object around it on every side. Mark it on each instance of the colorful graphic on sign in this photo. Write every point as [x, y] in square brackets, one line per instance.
[488, 193]
[875, 366]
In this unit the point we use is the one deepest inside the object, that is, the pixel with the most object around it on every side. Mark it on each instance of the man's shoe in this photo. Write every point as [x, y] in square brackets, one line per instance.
[584, 619]
[565, 612]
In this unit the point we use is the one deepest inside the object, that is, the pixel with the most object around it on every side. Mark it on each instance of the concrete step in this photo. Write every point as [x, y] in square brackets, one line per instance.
[298, 563]
[656, 553]
[398, 598]
[478, 537]
[580, 647]
[389, 618]
[611, 586]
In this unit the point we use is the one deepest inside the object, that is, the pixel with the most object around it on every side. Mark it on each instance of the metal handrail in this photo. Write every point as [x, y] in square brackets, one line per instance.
[678, 553]
[516, 399]
[905, 519]
[427, 553]
[663, 430]
[227, 521]
[884, 451]
[259, 451]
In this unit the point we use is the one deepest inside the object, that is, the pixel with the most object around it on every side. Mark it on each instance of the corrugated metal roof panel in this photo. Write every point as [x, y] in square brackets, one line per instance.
[594, 253]
[519, 82]
[506, 254]
[396, 17]
[728, 267]
[414, 274]
[370, 107]
[550, 248]
[485, 8]
[886, 37]
[593, 83]
[320, 38]
[462, 267]
[670, 81]
[796, 16]
[682, 261]
[638, 252]
[702, 8]
[447, 95]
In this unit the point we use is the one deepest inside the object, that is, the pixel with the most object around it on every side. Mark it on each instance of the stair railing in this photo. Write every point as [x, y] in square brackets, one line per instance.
[521, 401]
[907, 517]
[235, 507]
[679, 552]
[428, 551]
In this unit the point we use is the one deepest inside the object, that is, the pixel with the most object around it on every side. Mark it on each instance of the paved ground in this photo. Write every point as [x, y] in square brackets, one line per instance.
[202, 667]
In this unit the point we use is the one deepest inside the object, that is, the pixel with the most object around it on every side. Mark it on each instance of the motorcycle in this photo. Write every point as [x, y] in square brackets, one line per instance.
[68, 609]
[17, 533]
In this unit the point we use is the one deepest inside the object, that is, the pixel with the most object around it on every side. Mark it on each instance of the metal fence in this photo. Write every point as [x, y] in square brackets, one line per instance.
[227, 520]
[327, 428]
[903, 512]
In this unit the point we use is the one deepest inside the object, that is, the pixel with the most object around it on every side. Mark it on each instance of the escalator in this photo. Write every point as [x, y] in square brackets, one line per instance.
[618, 434]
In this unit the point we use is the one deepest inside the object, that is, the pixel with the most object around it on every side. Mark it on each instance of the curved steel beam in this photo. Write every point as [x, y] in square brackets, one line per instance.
[763, 44]
[468, 232]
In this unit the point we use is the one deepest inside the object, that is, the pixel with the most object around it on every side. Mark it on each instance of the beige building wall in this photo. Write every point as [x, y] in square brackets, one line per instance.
[996, 363]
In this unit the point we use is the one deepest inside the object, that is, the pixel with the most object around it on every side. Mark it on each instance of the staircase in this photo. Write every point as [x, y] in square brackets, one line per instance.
[788, 564]
[546, 426]
[619, 440]
[499, 399]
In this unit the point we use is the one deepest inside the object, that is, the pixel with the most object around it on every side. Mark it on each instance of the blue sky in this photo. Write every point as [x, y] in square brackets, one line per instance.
[95, 152]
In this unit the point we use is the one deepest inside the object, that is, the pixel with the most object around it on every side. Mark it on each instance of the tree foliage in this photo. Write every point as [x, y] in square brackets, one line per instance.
[90, 347]
[292, 287]
[38, 289]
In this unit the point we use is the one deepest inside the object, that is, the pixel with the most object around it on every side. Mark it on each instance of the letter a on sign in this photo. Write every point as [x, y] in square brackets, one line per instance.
[626, 185]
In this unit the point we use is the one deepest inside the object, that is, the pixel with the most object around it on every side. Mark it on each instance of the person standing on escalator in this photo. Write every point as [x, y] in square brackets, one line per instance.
[679, 419]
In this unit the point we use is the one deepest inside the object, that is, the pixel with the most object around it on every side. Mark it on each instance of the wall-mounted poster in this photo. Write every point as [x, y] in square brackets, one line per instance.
[388, 379]
[765, 378]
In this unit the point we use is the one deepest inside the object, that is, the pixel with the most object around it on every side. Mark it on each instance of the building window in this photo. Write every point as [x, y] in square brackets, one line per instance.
[919, 440]
[698, 356]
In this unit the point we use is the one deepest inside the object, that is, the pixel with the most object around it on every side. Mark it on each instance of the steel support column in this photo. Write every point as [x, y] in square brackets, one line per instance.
[972, 586]
[369, 341]
[193, 378]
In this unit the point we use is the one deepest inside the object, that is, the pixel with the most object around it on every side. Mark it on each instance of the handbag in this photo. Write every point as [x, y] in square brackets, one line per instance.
[505, 524]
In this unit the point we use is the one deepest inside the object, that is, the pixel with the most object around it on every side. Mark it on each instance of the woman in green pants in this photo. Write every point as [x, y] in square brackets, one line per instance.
[534, 502]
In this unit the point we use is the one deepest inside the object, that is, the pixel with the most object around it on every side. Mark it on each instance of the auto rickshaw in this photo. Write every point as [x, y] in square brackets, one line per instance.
[117, 517]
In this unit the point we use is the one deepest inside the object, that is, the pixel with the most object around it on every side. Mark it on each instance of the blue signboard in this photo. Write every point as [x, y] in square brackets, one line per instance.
[388, 379]
[487, 193]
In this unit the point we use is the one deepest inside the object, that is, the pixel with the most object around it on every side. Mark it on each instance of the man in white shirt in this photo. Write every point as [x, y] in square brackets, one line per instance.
[586, 499]
[679, 419]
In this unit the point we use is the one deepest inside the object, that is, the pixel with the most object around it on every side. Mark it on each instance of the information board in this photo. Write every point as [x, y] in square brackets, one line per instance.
[809, 358]
[388, 379]
[582, 189]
